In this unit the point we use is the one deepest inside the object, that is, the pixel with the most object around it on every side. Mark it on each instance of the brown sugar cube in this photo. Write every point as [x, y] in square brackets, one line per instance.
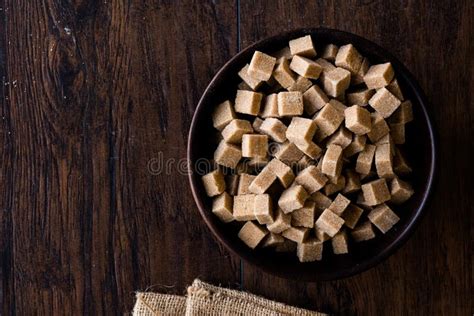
[375, 192]
[304, 217]
[263, 209]
[283, 75]
[339, 205]
[310, 149]
[340, 243]
[214, 182]
[400, 165]
[328, 120]
[336, 81]
[352, 182]
[274, 128]
[314, 99]
[404, 113]
[363, 232]
[311, 179]
[329, 222]
[290, 103]
[341, 138]
[261, 66]
[310, 250]
[352, 215]
[244, 183]
[234, 131]
[302, 46]
[384, 102]
[378, 76]
[227, 155]
[288, 153]
[400, 191]
[243, 85]
[305, 67]
[223, 115]
[292, 198]
[331, 188]
[383, 217]
[397, 131]
[262, 182]
[395, 89]
[252, 234]
[321, 200]
[251, 82]
[248, 102]
[222, 207]
[383, 161]
[358, 120]
[301, 130]
[254, 145]
[296, 234]
[330, 52]
[243, 207]
[348, 58]
[379, 127]
[283, 172]
[270, 106]
[332, 161]
[360, 97]
[271, 240]
[301, 84]
[280, 223]
[356, 146]
[232, 183]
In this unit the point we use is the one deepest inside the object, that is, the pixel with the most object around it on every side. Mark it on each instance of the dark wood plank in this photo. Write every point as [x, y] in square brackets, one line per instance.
[60, 131]
[6, 189]
[170, 52]
[432, 273]
[99, 91]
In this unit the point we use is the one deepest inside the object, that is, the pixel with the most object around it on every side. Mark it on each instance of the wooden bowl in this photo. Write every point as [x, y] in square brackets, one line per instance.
[420, 150]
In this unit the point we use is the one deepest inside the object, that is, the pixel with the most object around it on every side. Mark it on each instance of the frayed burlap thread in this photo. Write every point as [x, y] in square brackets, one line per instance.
[156, 304]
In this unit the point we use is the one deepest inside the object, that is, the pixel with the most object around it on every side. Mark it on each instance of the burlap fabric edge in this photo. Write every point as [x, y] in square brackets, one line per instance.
[206, 299]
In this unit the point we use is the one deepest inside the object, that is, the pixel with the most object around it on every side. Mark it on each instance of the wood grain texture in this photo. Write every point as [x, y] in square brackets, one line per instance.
[97, 95]
[432, 273]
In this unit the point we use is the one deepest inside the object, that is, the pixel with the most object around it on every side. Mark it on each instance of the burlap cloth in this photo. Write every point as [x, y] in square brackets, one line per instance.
[206, 299]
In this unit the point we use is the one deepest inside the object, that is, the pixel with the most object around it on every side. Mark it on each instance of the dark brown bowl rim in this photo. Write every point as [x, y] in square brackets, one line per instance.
[404, 234]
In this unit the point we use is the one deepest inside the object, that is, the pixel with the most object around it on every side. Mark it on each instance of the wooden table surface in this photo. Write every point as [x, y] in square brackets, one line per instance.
[96, 94]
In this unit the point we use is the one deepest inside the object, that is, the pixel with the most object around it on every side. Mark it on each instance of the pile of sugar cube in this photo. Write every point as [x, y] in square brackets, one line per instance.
[308, 151]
